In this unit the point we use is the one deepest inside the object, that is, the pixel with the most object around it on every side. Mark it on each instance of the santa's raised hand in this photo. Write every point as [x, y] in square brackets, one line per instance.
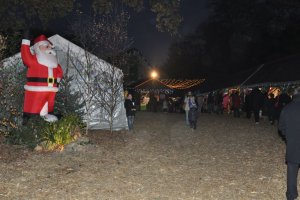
[43, 75]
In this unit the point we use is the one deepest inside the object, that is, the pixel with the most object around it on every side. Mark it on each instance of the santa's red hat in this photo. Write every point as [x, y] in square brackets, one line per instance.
[41, 39]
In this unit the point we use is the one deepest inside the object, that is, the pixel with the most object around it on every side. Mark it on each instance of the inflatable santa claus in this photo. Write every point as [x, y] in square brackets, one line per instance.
[43, 75]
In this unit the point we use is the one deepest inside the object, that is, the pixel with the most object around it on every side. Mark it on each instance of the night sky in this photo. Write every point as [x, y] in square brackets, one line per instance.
[153, 44]
[238, 37]
[146, 38]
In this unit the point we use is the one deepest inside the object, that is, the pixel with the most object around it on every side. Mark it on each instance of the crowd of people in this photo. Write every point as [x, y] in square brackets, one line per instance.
[251, 102]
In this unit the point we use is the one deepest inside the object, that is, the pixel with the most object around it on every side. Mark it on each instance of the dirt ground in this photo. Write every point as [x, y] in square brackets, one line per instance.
[162, 159]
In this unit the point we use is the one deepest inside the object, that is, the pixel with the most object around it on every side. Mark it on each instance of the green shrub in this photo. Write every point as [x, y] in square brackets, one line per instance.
[50, 136]
[56, 135]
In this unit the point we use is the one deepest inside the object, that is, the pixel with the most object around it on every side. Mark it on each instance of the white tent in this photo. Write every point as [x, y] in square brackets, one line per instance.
[67, 53]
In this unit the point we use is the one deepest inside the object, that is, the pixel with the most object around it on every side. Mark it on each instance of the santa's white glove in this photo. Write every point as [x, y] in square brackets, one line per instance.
[26, 42]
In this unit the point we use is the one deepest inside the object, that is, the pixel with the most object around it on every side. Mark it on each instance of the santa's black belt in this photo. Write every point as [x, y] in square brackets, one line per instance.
[43, 80]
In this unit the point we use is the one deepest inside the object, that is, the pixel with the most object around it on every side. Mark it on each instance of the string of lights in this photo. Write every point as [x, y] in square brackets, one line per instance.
[182, 84]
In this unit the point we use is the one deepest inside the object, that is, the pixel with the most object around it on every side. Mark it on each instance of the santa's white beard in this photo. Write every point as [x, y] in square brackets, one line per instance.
[47, 58]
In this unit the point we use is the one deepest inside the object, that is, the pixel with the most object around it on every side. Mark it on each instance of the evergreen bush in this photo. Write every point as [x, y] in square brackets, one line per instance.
[68, 101]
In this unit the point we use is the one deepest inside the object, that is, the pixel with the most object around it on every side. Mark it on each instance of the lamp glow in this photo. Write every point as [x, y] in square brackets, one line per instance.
[154, 74]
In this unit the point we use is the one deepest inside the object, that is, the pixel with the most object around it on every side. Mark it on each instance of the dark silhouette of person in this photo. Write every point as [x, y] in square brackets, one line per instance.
[289, 125]
[270, 104]
[257, 100]
[247, 104]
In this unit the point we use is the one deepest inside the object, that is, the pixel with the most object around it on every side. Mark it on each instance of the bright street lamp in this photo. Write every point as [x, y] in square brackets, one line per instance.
[154, 74]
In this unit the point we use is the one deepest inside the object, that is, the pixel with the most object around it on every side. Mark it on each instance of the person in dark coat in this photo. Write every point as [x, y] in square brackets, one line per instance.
[130, 111]
[270, 104]
[289, 125]
[210, 102]
[236, 103]
[282, 100]
[247, 104]
[193, 112]
[257, 100]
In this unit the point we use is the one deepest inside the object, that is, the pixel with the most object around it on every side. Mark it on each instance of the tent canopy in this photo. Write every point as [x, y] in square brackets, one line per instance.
[281, 71]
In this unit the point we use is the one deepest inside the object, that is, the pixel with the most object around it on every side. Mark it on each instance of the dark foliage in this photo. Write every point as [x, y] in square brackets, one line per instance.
[68, 101]
[239, 35]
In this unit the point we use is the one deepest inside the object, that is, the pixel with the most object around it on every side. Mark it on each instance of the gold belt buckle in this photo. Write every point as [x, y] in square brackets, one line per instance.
[50, 80]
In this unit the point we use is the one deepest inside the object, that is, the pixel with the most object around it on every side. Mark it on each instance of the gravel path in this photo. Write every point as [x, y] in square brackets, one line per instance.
[162, 159]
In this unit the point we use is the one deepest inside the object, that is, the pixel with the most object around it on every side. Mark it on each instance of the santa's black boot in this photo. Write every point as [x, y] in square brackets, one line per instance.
[25, 119]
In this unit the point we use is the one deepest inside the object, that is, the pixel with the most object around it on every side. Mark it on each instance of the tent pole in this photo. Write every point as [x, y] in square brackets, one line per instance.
[261, 66]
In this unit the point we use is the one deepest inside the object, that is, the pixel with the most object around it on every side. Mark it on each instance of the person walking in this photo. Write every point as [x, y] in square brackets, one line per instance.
[289, 125]
[210, 102]
[247, 104]
[257, 100]
[130, 111]
[165, 105]
[271, 108]
[186, 107]
[236, 103]
[200, 101]
[226, 103]
[193, 111]
[282, 100]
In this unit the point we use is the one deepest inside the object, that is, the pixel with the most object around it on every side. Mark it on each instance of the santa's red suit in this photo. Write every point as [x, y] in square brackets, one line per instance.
[43, 76]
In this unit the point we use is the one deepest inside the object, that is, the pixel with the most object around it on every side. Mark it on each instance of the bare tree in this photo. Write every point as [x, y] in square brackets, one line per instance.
[112, 35]
[107, 37]
[109, 84]
[83, 79]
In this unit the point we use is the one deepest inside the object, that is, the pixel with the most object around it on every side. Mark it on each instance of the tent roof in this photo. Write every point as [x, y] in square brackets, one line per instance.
[65, 46]
[282, 70]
